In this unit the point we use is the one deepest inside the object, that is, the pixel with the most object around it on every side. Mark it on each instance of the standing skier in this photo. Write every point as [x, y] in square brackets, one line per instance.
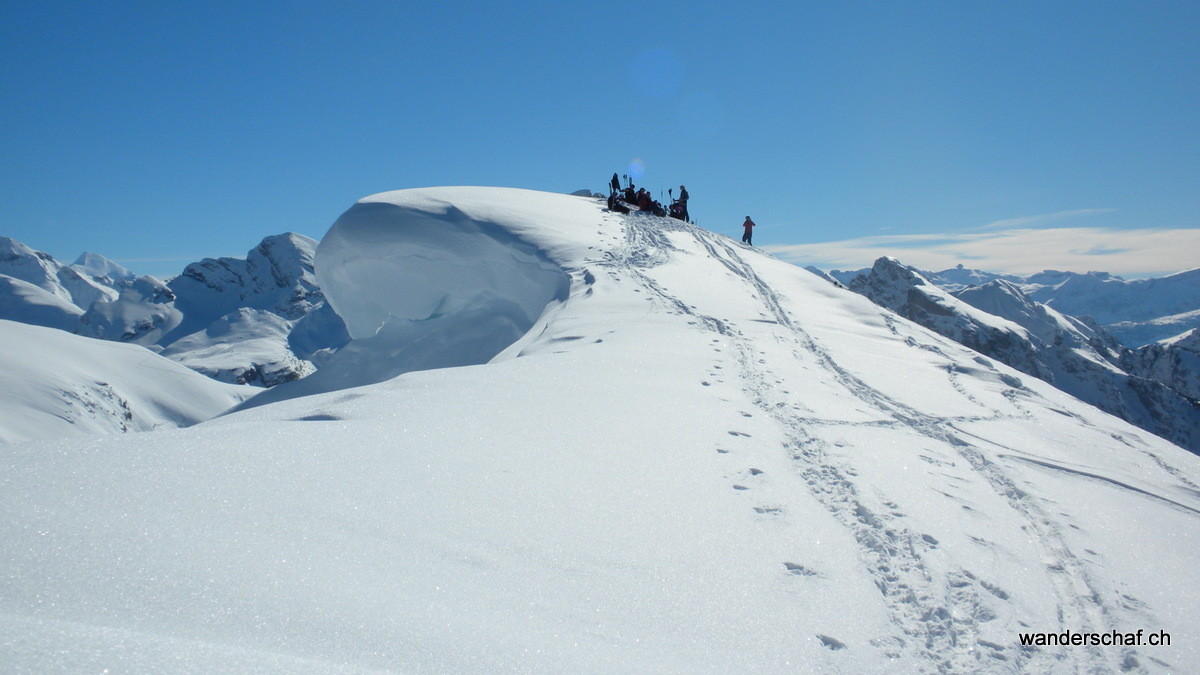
[614, 185]
[683, 197]
[749, 225]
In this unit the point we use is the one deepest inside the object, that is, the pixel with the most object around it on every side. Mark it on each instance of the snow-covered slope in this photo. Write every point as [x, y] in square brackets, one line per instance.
[56, 384]
[999, 321]
[1174, 361]
[246, 346]
[232, 319]
[1145, 333]
[22, 301]
[697, 458]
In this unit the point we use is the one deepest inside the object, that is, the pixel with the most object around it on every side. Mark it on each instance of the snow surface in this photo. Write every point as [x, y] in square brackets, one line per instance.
[55, 384]
[697, 459]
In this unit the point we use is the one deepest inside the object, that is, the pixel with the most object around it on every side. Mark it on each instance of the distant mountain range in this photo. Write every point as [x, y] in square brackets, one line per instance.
[261, 320]
[1155, 386]
[1136, 312]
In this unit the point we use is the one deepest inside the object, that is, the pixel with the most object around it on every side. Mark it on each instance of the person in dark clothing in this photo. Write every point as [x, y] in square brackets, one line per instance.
[749, 235]
[643, 199]
[630, 195]
[683, 197]
[614, 185]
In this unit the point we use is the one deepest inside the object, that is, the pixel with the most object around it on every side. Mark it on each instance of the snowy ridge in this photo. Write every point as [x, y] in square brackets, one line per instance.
[697, 458]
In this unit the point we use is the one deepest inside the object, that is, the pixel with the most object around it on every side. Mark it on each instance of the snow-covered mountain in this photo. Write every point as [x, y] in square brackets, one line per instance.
[54, 384]
[694, 457]
[41, 269]
[1137, 312]
[232, 319]
[999, 321]
[102, 269]
[960, 277]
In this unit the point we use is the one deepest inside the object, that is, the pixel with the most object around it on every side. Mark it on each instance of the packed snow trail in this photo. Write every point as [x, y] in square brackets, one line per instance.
[938, 614]
[697, 459]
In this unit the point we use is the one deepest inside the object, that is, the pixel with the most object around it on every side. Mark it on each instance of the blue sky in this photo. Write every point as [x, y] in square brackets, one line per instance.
[160, 132]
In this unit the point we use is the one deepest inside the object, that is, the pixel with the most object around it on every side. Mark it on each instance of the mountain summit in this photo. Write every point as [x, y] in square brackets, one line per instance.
[691, 456]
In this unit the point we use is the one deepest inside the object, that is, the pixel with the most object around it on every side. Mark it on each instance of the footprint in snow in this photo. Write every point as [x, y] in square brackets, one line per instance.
[755, 472]
[800, 570]
[740, 487]
[738, 433]
[831, 643]
[319, 417]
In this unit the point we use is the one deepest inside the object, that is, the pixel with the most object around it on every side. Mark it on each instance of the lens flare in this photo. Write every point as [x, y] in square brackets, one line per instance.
[637, 168]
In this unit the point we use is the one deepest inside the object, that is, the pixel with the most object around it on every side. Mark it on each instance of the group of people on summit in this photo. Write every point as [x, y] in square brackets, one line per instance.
[625, 199]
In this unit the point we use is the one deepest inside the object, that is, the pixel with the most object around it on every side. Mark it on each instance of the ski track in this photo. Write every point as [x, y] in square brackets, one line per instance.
[937, 615]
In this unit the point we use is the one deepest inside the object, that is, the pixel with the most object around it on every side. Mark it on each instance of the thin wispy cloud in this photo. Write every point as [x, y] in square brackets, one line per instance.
[1130, 253]
[123, 261]
[1042, 220]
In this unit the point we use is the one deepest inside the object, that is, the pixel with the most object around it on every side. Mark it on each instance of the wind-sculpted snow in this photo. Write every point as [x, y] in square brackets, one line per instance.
[405, 258]
[423, 282]
[697, 459]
